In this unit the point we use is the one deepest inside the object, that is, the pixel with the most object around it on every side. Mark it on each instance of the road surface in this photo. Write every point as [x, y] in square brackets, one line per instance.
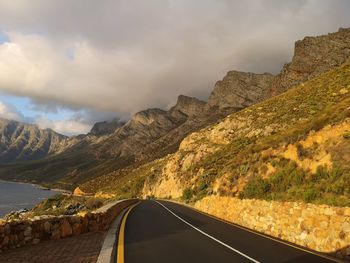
[166, 232]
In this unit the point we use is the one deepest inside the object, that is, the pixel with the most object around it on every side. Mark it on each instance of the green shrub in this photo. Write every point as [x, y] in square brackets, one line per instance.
[297, 177]
[187, 194]
[256, 188]
[346, 135]
[310, 195]
[321, 173]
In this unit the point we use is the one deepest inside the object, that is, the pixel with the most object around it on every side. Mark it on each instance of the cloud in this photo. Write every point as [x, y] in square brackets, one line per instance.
[67, 127]
[76, 122]
[10, 112]
[122, 56]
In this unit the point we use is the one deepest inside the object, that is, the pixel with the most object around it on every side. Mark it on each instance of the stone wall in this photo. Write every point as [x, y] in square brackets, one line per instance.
[318, 227]
[18, 233]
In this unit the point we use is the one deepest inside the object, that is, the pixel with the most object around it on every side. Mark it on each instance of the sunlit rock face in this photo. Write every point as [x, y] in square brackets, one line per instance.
[313, 56]
[238, 90]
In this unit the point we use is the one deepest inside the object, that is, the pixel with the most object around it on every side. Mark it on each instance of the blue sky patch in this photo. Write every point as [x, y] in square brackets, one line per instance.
[3, 38]
[26, 107]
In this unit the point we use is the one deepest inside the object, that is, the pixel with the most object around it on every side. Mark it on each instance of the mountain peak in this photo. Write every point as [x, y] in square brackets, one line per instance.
[189, 106]
[240, 89]
[312, 57]
[106, 127]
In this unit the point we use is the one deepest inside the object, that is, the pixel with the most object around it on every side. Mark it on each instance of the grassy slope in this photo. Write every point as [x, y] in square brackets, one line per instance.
[64, 171]
[238, 167]
[305, 108]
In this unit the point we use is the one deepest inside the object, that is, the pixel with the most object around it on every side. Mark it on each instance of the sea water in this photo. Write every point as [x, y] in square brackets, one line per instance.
[16, 196]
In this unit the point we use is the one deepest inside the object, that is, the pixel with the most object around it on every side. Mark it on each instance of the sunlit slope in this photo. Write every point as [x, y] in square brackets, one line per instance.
[295, 146]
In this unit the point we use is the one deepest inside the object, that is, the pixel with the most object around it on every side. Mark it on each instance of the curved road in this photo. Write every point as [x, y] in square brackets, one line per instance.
[168, 232]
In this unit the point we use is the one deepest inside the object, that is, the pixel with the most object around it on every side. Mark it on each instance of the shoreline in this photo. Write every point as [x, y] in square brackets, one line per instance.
[64, 191]
[54, 191]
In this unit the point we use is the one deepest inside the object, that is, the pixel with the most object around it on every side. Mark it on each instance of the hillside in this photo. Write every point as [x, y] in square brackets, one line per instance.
[22, 142]
[294, 146]
[154, 133]
[110, 146]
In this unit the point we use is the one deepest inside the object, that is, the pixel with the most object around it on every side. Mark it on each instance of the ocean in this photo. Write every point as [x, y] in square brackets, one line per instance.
[16, 196]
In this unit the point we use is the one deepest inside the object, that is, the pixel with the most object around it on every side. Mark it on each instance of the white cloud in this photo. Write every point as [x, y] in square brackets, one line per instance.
[124, 56]
[9, 112]
[67, 127]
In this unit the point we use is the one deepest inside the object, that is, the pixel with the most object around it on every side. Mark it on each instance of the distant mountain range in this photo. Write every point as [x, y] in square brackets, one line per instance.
[43, 156]
[23, 142]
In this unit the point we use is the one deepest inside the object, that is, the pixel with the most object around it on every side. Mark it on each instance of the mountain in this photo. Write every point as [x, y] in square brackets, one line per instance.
[239, 90]
[113, 146]
[23, 142]
[312, 57]
[104, 150]
[106, 127]
[293, 147]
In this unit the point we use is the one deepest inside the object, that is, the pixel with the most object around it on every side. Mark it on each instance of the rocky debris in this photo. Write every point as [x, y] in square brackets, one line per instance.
[106, 127]
[74, 209]
[20, 214]
[239, 90]
[318, 227]
[78, 192]
[313, 56]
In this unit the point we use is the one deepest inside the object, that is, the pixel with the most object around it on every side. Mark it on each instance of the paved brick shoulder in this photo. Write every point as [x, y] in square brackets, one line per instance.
[79, 249]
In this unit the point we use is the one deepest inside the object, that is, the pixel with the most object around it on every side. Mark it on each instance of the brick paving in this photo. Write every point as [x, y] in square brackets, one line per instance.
[79, 249]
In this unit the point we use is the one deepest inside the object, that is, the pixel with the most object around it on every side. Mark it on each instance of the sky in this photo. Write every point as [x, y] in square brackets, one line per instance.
[67, 64]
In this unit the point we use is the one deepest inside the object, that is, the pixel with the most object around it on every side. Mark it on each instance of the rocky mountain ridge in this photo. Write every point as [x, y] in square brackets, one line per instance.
[106, 127]
[154, 133]
[292, 147]
[239, 90]
[24, 142]
[312, 57]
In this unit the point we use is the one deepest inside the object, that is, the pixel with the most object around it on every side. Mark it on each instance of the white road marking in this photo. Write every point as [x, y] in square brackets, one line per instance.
[207, 235]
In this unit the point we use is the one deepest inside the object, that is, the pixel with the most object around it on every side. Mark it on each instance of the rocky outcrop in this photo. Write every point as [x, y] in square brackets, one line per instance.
[318, 227]
[106, 127]
[188, 106]
[240, 89]
[154, 133]
[313, 56]
[20, 142]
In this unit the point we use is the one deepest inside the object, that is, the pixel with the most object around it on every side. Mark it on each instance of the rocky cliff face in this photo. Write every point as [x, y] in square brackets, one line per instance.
[20, 142]
[239, 90]
[286, 148]
[106, 127]
[154, 133]
[146, 128]
[313, 56]
[188, 106]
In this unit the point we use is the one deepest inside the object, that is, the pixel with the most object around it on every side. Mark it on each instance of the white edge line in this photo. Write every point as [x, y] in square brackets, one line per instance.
[207, 235]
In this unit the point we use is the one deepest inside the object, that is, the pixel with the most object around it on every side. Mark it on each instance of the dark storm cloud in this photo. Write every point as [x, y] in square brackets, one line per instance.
[124, 56]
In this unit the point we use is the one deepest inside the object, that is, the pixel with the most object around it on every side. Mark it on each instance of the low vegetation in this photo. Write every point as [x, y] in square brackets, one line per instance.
[253, 162]
[290, 183]
[62, 204]
[242, 164]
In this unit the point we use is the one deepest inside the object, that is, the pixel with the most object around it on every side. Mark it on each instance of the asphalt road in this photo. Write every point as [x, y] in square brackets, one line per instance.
[167, 232]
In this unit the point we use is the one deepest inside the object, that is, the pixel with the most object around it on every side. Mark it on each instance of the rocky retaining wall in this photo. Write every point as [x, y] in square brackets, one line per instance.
[318, 227]
[18, 233]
